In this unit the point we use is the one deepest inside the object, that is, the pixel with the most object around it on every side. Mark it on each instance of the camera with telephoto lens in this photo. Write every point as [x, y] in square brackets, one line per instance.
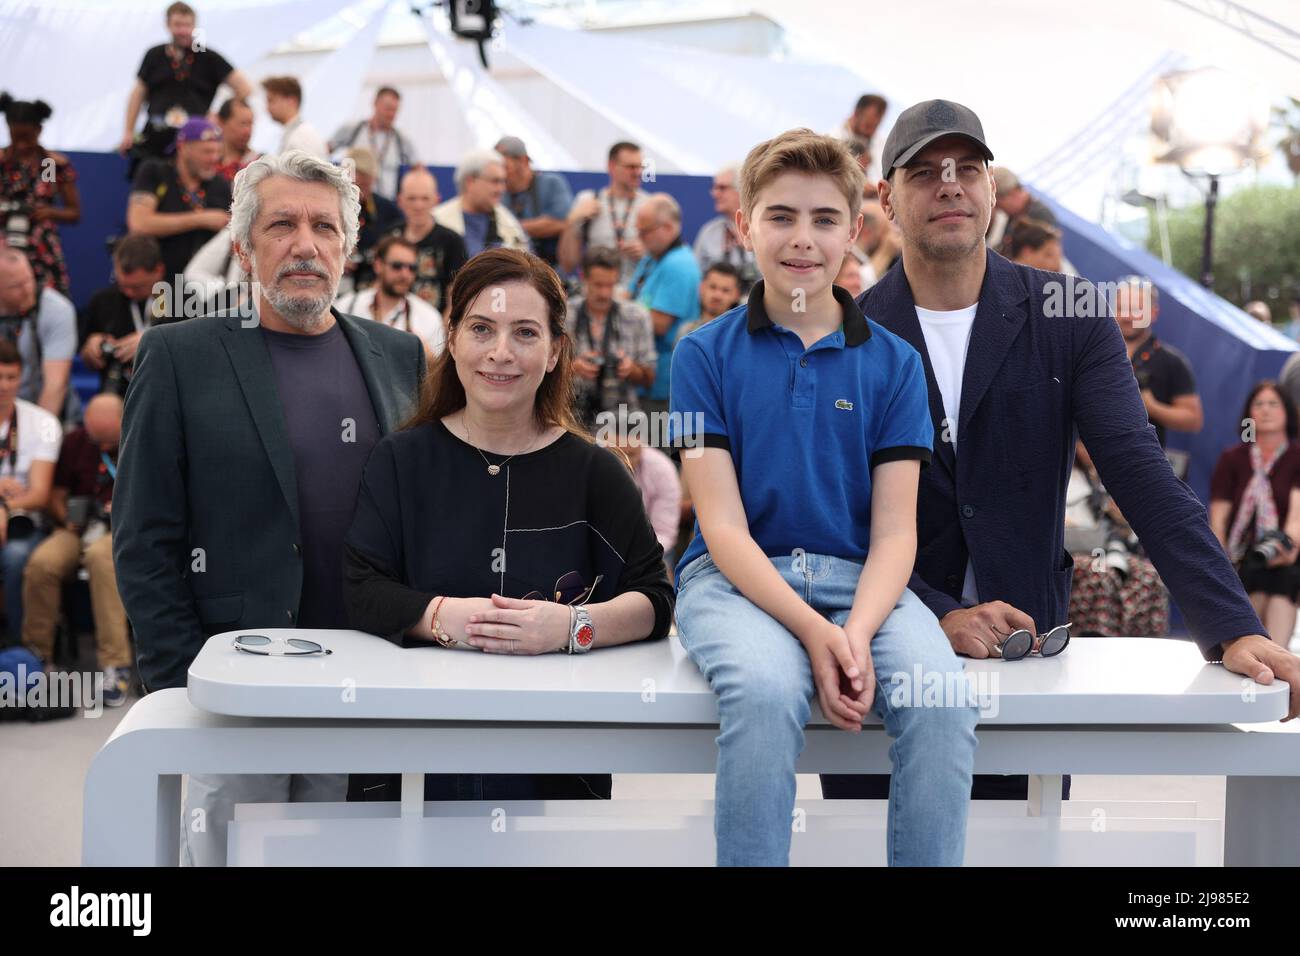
[605, 392]
[1268, 547]
[114, 373]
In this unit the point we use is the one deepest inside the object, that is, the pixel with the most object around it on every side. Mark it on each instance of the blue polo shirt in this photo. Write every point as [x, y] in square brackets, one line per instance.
[669, 284]
[804, 426]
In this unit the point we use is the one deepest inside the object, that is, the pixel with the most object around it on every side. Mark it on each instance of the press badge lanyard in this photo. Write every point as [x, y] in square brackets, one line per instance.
[108, 465]
[406, 314]
[607, 335]
[401, 314]
[619, 226]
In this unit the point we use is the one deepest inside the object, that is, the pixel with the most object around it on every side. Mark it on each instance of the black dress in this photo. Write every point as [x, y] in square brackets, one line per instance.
[568, 507]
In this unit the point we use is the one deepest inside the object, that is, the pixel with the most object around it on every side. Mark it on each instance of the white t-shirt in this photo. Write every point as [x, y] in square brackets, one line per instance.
[415, 315]
[616, 219]
[947, 336]
[40, 436]
[299, 134]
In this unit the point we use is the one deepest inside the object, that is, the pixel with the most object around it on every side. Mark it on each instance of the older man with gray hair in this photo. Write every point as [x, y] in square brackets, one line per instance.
[667, 283]
[243, 443]
[719, 239]
[476, 214]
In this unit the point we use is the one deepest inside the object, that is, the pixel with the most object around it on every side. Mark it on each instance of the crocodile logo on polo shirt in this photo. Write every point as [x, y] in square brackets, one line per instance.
[844, 404]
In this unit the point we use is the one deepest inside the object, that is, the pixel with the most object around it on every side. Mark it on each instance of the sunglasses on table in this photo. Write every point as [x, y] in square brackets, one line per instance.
[569, 589]
[265, 646]
[1021, 643]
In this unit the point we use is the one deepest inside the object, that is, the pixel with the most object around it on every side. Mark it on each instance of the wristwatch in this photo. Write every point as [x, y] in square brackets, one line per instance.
[581, 632]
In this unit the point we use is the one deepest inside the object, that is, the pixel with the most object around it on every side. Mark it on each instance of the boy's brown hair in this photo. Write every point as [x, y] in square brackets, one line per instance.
[801, 151]
[283, 86]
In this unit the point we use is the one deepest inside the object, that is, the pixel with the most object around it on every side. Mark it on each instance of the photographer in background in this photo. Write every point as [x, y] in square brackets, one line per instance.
[29, 446]
[42, 325]
[1163, 373]
[1255, 507]
[117, 315]
[1115, 591]
[1038, 245]
[379, 216]
[613, 343]
[80, 509]
[176, 82]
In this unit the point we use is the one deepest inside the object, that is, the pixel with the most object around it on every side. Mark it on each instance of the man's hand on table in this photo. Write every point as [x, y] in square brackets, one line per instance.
[1262, 660]
[971, 630]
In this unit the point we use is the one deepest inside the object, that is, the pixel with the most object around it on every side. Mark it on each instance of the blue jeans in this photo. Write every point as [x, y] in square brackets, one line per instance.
[764, 683]
[13, 560]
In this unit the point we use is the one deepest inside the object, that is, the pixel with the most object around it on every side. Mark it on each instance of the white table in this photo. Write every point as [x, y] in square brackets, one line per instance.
[1106, 706]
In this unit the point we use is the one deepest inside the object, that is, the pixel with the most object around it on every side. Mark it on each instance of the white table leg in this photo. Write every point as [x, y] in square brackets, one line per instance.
[1259, 826]
[1045, 801]
[131, 819]
[1045, 795]
[412, 794]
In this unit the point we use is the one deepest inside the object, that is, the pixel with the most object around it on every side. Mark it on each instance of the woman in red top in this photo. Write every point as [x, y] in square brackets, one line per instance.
[31, 177]
[1255, 493]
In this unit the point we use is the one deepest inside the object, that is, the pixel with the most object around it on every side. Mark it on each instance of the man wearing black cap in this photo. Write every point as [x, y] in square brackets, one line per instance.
[1008, 387]
[181, 202]
[540, 201]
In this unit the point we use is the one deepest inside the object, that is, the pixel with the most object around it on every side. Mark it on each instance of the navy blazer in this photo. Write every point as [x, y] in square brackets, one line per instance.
[1030, 381]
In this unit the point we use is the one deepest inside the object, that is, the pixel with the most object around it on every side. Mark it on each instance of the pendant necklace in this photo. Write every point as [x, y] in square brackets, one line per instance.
[491, 468]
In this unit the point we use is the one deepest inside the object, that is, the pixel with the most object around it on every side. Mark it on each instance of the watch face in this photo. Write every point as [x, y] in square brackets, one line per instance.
[585, 636]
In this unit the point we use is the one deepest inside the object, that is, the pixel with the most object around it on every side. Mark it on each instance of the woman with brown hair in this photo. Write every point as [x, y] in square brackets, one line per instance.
[491, 521]
[1255, 506]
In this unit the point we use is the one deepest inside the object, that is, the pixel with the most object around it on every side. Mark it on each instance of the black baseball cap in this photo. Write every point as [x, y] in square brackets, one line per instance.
[920, 125]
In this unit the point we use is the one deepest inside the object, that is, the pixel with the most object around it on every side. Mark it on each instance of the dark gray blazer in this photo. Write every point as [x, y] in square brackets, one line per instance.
[205, 463]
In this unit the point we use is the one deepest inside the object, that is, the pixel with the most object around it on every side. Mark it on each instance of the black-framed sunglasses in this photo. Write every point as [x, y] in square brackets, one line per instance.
[1021, 643]
[271, 646]
[401, 266]
[569, 589]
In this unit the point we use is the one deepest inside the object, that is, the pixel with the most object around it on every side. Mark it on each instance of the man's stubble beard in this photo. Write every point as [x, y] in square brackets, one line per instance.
[947, 251]
[305, 313]
[942, 251]
[392, 291]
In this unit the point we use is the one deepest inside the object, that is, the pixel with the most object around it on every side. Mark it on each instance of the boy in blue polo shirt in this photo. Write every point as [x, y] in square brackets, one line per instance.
[806, 426]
